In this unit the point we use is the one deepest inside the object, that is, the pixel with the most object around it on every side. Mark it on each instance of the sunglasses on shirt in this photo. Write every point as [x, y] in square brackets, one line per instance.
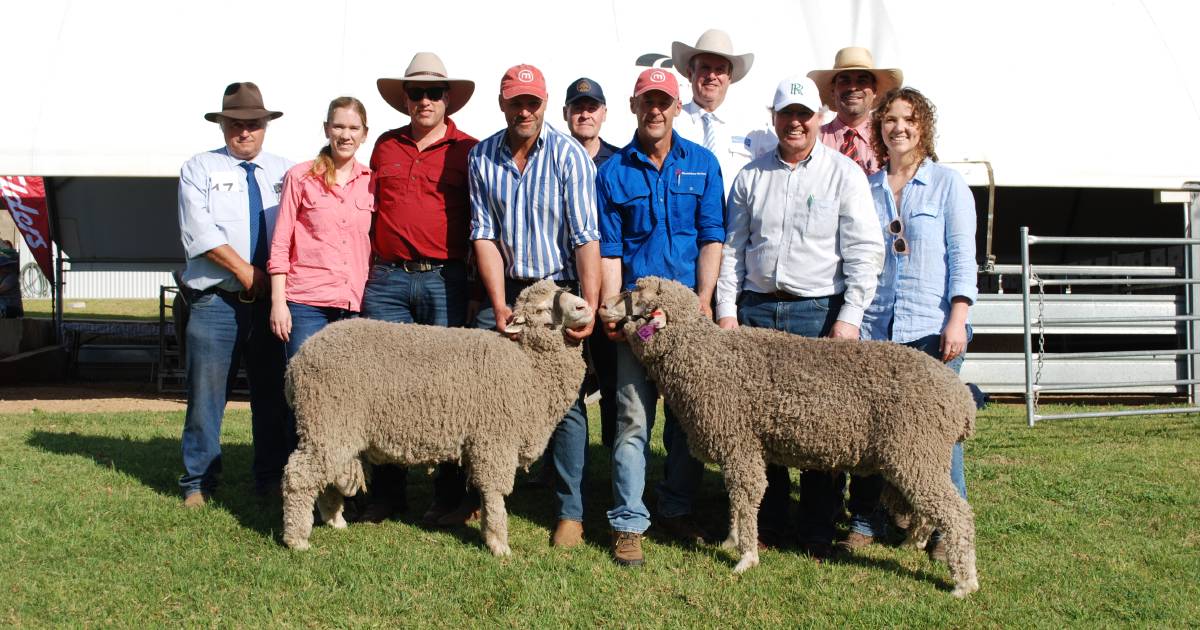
[432, 93]
[899, 243]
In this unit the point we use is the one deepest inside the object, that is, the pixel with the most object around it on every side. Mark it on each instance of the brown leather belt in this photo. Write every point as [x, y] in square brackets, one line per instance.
[419, 265]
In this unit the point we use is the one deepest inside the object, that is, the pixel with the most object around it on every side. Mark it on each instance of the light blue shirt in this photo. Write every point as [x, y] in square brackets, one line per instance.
[214, 210]
[537, 217]
[914, 291]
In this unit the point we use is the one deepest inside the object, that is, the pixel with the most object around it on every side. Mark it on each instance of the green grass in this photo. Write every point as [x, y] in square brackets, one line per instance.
[1080, 523]
[96, 309]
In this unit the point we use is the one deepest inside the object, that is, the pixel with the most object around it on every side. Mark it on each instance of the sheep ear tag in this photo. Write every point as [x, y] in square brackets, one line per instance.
[658, 321]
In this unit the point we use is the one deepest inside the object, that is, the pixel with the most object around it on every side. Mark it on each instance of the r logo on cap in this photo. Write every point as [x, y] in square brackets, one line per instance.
[525, 76]
[658, 77]
[798, 89]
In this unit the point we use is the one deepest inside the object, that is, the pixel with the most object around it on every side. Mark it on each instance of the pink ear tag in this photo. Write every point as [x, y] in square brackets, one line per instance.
[645, 331]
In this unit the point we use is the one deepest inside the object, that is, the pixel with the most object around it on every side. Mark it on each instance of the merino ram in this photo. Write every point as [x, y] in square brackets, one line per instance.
[751, 396]
[416, 395]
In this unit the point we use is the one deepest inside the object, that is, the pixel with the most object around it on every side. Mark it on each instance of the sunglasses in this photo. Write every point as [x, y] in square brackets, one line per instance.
[899, 243]
[432, 93]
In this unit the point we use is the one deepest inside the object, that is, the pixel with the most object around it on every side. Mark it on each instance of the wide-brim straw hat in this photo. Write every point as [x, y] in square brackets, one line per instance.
[242, 101]
[715, 42]
[425, 67]
[855, 58]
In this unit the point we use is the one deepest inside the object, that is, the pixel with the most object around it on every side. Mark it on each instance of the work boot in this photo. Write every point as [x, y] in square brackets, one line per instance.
[464, 513]
[937, 550]
[855, 541]
[382, 508]
[683, 528]
[568, 534]
[195, 499]
[819, 551]
[627, 549]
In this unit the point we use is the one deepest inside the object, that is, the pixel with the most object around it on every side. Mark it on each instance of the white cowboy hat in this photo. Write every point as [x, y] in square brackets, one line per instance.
[855, 58]
[425, 67]
[715, 42]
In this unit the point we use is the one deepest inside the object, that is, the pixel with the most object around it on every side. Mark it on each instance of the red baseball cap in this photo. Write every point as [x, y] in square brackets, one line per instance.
[523, 79]
[656, 79]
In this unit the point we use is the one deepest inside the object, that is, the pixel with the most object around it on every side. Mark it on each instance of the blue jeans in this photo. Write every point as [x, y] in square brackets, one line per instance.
[568, 444]
[820, 491]
[307, 320]
[220, 331]
[437, 298]
[637, 403]
[867, 516]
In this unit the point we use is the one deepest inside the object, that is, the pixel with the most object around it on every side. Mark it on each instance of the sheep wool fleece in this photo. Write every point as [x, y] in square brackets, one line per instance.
[751, 396]
[417, 395]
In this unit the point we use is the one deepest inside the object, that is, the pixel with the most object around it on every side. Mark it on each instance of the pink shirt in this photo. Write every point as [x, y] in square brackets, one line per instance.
[833, 135]
[322, 238]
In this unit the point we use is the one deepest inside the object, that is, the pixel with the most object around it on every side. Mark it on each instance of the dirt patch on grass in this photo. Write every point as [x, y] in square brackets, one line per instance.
[94, 398]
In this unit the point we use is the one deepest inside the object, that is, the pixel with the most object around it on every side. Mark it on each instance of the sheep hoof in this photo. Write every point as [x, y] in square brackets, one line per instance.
[500, 550]
[966, 588]
[748, 561]
[337, 522]
[729, 543]
[297, 545]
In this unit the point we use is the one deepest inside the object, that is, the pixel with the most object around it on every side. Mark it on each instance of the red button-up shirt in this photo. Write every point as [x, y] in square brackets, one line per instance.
[833, 135]
[422, 200]
[321, 238]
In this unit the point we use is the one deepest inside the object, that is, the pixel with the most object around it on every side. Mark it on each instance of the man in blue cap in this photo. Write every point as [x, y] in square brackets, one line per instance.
[585, 111]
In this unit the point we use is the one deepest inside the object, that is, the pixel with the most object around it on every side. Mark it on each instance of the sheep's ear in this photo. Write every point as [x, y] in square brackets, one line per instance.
[658, 318]
[516, 326]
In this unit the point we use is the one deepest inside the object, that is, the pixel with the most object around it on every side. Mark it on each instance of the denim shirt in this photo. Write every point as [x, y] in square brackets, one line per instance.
[654, 219]
[915, 290]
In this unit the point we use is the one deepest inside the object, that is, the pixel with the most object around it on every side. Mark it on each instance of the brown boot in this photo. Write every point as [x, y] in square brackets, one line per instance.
[568, 534]
[466, 512]
[627, 549]
[195, 500]
[683, 528]
[381, 509]
[937, 550]
[855, 541]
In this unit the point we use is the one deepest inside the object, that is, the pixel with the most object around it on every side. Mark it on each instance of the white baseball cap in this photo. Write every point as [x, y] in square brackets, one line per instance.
[797, 91]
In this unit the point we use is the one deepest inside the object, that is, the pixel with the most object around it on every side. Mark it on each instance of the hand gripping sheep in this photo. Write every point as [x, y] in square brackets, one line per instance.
[751, 396]
[417, 395]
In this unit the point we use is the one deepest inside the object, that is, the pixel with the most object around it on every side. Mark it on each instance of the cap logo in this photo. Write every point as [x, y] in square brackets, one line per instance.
[658, 76]
[525, 76]
[798, 89]
[583, 87]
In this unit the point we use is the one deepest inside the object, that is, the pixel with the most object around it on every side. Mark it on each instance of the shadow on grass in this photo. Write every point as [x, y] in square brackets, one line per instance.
[156, 464]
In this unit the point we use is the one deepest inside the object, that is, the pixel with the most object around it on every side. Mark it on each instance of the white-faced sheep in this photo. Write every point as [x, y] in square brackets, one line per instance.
[751, 396]
[416, 395]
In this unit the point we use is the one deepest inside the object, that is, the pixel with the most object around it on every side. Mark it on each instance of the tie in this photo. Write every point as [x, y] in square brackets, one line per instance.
[710, 131]
[848, 147]
[258, 218]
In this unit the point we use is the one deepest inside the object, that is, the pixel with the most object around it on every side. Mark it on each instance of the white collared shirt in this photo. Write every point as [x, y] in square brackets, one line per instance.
[810, 231]
[736, 141]
[214, 210]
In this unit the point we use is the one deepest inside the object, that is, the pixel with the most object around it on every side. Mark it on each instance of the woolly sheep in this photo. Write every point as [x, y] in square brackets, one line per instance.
[417, 395]
[751, 396]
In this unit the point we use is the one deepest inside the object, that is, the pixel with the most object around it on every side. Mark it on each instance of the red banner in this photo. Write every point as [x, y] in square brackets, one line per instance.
[25, 198]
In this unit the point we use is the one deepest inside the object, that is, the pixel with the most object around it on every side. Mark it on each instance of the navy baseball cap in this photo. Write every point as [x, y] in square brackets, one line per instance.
[584, 87]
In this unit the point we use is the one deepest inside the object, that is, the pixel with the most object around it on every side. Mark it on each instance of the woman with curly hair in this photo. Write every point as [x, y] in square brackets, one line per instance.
[927, 214]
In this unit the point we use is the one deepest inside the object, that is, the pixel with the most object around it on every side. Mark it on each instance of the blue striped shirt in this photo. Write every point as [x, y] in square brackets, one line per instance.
[538, 217]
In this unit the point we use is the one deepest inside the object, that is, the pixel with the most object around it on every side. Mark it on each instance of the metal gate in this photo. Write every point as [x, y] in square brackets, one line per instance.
[1149, 316]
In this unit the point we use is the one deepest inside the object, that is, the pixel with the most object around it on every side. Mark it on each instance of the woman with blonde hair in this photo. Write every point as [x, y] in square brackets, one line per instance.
[321, 249]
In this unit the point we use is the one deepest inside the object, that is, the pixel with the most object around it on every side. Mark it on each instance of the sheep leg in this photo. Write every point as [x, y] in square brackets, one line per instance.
[494, 520]
[932, 495]
[745, 481]
[303, 479]
[329, 504]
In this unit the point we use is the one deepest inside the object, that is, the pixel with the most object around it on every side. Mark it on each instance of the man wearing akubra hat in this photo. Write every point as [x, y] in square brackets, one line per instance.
[228, 201]
[419, 244]
[850, 88]
[711, 67]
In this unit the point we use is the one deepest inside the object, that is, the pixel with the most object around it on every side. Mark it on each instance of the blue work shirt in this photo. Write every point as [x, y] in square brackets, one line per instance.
[914, 293]
[656, 220]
